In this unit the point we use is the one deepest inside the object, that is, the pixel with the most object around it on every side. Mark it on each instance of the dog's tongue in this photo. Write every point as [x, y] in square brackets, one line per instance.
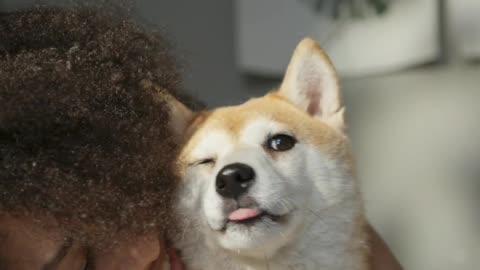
[243, 214]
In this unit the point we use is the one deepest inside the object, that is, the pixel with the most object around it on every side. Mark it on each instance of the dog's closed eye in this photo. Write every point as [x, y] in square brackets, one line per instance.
[203, 161]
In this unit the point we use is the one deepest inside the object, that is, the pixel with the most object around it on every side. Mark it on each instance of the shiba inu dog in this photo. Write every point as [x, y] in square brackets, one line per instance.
[270, 184]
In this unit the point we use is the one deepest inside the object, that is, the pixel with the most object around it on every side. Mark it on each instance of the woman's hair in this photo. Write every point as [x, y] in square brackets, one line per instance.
[84, 135]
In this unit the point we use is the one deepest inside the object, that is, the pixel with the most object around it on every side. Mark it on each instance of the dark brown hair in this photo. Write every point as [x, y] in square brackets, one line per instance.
[84, 134]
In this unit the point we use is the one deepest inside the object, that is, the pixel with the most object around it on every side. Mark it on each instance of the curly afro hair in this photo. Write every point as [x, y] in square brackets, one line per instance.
[84, 135]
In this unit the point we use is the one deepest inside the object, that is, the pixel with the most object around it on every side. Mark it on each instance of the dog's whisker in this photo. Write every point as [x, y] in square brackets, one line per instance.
[289, 204]
[317, 215]
[283, 204]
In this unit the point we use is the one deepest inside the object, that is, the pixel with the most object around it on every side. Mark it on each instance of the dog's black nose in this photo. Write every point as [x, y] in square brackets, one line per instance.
[234, 180]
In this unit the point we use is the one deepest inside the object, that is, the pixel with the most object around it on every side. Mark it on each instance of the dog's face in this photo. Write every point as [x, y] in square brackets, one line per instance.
[254, 174]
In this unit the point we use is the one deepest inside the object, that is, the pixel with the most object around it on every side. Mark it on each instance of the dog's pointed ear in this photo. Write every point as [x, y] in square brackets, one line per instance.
[180, 116]
[311, 84]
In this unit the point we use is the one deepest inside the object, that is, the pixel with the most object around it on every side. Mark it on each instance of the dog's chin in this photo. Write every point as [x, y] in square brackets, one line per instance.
[257, 236]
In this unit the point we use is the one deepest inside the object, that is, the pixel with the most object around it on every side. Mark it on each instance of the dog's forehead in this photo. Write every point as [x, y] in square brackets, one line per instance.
[250, 122]
[228, 126]
[252, 116]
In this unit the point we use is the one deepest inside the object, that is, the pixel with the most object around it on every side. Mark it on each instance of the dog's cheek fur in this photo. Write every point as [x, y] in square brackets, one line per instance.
[283, 183]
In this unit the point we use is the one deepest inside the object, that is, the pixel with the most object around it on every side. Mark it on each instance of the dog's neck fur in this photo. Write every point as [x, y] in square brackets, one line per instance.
[336, 243]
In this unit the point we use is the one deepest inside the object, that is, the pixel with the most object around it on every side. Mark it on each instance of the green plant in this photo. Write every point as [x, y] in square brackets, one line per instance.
[352, 8]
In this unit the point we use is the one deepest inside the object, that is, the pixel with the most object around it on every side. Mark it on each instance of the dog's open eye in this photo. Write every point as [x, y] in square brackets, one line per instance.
[280, 142]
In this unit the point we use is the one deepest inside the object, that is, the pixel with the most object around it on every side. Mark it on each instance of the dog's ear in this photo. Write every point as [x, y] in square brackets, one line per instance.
[311, 84]
[180, 116]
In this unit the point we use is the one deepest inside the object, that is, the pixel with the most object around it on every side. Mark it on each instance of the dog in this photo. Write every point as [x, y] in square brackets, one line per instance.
[270, 184]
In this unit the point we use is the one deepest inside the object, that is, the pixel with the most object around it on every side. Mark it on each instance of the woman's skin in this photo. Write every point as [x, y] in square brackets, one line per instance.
[23, 246]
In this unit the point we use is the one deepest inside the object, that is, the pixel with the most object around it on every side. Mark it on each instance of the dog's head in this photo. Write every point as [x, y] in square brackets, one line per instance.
[254, 174]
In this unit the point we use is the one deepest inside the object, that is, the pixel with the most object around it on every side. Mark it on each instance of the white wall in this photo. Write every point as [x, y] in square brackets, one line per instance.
[203, 31]
[416, 140]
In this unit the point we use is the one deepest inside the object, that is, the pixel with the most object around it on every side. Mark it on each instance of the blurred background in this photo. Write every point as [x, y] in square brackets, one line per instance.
[410, 71]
